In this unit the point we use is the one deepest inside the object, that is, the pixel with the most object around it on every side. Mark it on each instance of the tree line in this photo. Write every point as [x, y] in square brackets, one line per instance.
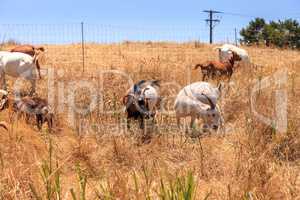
[283, 34]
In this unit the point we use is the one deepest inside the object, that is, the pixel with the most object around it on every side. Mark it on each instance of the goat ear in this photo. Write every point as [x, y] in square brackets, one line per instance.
[135, 88]
[156, 83]
[125, 100]
[220, 87]
[140, 82]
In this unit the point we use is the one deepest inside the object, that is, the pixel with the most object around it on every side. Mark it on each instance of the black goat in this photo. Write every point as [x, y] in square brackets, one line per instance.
[136, 105]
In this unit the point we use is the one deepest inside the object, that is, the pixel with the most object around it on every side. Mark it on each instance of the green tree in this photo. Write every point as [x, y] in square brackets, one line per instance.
[281, 34]
[252, 34]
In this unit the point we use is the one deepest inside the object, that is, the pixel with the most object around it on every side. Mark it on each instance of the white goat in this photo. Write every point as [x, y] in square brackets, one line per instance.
[199, 100]
[225, 51]
[17, 64]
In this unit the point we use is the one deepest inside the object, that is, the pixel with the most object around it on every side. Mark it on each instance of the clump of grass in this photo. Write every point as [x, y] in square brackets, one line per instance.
[51, 178]
[183, 188]
[82, 180]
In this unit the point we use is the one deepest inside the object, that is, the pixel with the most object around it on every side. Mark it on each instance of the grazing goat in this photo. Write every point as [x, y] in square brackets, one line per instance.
[226, 50]
[17, 64]
[28, 49]
[29, 106]
[141, 101]
[199, 100]
[32, 51]
[217, 68]
[35, 106]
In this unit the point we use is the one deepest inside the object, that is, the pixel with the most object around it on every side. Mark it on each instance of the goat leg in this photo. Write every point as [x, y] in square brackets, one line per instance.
[128, 123]
[39, 121]
[192, 121]
[50, 123]
[142, 124]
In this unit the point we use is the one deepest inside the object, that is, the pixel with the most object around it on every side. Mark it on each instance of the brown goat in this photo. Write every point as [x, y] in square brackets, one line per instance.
[218, 68]
[32, 51]
[28, 107]
[35, 106]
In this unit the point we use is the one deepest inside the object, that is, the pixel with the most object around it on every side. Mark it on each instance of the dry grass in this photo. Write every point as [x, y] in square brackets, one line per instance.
[252, 160]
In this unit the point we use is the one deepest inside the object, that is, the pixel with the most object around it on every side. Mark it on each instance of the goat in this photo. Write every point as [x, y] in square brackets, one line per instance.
[32, 51]
[141, 101]
[35, 106]
[17, 64]
[29, 106]
[226, 50]
[218, 68]
[199, 100]
[28, 49]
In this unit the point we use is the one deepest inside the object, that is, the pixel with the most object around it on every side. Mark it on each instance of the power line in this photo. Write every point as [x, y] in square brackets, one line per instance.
[239, 15]
[212, 22]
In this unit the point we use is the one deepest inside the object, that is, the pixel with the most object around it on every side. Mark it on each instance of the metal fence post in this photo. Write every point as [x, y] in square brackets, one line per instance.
[82, 46]
[235, 36]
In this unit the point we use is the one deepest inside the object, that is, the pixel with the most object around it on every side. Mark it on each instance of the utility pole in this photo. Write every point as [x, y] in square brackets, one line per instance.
[212, 22]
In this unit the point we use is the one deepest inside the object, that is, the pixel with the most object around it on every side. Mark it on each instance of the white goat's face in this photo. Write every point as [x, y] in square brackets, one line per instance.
[212, 119]
[151, 96]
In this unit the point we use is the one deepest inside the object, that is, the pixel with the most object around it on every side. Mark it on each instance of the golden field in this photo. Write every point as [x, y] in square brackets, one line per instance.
[96, 158]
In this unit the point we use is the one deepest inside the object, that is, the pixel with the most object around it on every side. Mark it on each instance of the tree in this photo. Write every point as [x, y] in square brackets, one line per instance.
[253, 32]
[281, 34]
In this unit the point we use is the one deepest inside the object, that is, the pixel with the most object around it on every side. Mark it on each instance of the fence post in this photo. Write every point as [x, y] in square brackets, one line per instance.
[235, 36]
[82, 46]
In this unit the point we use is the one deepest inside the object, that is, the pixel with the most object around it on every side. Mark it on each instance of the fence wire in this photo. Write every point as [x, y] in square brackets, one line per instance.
[106, 34]
[59, 39]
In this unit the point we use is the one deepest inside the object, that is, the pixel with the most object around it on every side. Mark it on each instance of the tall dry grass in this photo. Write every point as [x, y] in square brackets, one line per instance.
[251, 161]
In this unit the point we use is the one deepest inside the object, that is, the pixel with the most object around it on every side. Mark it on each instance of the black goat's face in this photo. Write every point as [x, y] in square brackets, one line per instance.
[136, 105]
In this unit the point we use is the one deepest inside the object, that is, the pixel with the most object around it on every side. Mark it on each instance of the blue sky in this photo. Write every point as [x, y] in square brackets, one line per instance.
[175, 19]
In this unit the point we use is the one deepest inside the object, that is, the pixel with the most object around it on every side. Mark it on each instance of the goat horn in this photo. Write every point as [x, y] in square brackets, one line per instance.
[3, 125]
[212, 105]
[197, 66]
[145, 90]
[156, 83]
[140, 82]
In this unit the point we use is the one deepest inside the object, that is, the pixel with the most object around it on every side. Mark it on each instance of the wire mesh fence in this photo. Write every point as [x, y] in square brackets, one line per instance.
[106, 34]
[59, 39]
[97, 50]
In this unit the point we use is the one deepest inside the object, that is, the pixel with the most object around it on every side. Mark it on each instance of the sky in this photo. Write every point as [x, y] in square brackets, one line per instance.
[59, 20]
